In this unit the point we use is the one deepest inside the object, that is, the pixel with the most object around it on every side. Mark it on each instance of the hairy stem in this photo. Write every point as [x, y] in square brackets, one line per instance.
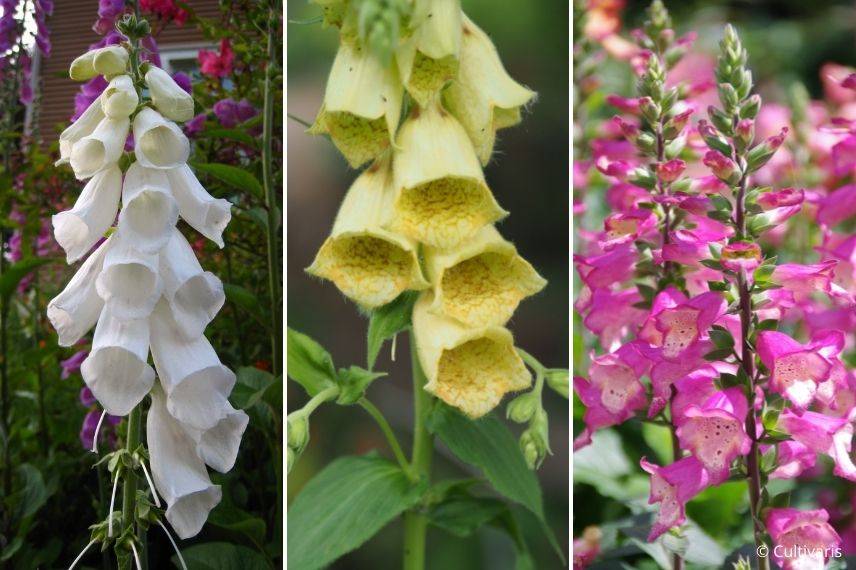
[129, 485]
[415, 522]
[270, 194]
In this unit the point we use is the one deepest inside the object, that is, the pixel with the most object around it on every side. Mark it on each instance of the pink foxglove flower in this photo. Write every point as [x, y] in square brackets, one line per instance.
[793, 458]
[830, 435]
[603, 270]
[626, 227]
[217, 64]
[714, 432]
[671, 170]
[801, 281]
[802, 539]
[838, 206]
[741, 257]
[721, 166]
[676, 323]
[613, 392]
[666, 371]
[611, 315]
[673, 486]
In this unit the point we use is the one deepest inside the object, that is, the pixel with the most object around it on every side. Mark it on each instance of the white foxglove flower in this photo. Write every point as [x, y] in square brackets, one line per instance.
[218, 446]
[74, 311]
[179, 474]
[83, 68]
[78, 229]
[83, 126]
[149, 212]
[116, 370]
[169, 98]
[99, 149]
[110, 60]
[195, 380]
[159, 142]
[204, 213]
[194, 295]
[120, 98]
[129, 283]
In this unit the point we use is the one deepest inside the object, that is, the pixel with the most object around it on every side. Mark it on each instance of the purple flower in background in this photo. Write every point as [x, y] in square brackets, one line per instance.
[25, 94]
[71, 365]
[108, 12]
[230, 113]
[195, 125]
[183, 81]
[14, 254]
[87, 398]
[90, 424]
[151, 53]
[43, 9]
[89, 92]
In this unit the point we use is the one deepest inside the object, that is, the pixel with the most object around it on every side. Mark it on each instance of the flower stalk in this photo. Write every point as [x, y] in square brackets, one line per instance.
[129, 484]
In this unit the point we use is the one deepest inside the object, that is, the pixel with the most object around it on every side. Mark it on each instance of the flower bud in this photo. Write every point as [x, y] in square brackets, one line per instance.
[169, 99]
[82, 68]
[429, 58]
[291, 458]
[483, 97]
[650, 110]
[712, 138]
[441, 194]
[368, 263]
[629, 130]
[480, 282]
[530, 450]
[719, 119]
[110, 60]
[120, 99]
[362, 104]
[676, 124]
[722, 166]
[83, 126]
[628, 105]
[745, 132]
[522, 408]
[298, 430]
[468, 368]
[763, 152]
[671, 170]
[749, 109]
[559, 380]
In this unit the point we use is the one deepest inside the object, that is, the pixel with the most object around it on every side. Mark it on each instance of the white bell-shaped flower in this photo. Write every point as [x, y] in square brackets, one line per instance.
[218, 446]
[194, 295]
[116, 370]
[78, 229]
[99, 149]
[204, 213]
[179, 474]
[120, 98]
[83, 126]
[159, 142]
[169, 98]
[110, 60]
[129, 283]
[74, 311]
[149, 212]
[195, 380]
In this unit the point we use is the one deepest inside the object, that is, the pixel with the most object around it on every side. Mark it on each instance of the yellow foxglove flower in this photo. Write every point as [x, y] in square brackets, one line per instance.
[441, 195]
[368, 263]
[361, 106]
[83, 68]
[468, 368]
[428, 59]
[483, 97]
[481, 282]
[111, 60]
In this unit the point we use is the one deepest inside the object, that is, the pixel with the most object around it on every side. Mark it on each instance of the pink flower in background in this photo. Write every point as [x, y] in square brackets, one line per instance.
[587, 547]
[217, 64]
[626, 227]
[231, 113]
[803, 539]
[166, 10]
[611, 315]
[830, 435]
[837, 206]
[673, 486]
[604, 270]
[71, 365]
[793, 459]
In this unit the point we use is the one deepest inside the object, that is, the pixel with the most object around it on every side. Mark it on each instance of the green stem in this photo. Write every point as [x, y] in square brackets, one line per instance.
[129, 485]
[379, 418]
[270, 194]
[415, 521]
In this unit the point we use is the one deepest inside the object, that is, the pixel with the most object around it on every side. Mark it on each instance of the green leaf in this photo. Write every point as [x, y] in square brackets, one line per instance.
[767, 325]
[33, 495]
[718, 509]
[245, 299]
[343, 506]
[387, 321]
[353, 382]
[221, 556]
[251, 386]
[463, 515]
[718, 354]
[309, 364]
[488, 444]
[13, 274]
[722, 339]
[233, 176]
[659, 438]
[240, 522]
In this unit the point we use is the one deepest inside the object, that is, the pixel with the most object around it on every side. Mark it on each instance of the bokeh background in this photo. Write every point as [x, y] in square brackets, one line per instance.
[528, 175]
[789, 42]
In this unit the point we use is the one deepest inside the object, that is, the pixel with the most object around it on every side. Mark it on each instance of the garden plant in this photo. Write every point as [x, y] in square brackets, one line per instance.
[718, 300]
[415, 97]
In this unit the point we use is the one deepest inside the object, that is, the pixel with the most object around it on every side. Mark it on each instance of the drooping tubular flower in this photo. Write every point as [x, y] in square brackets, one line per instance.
[143, 289]
[802, 372]
[676, 323]
[366, 261]
[470, 368]
[829, 435]
[673, 486]
[803, 539]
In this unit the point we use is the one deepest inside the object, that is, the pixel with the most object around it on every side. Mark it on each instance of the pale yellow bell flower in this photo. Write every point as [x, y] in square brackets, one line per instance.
[362, 104]
[428, 58]
[481, 282]
[368, 263]
[441, 194]
[470, 368]
[483, 97]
